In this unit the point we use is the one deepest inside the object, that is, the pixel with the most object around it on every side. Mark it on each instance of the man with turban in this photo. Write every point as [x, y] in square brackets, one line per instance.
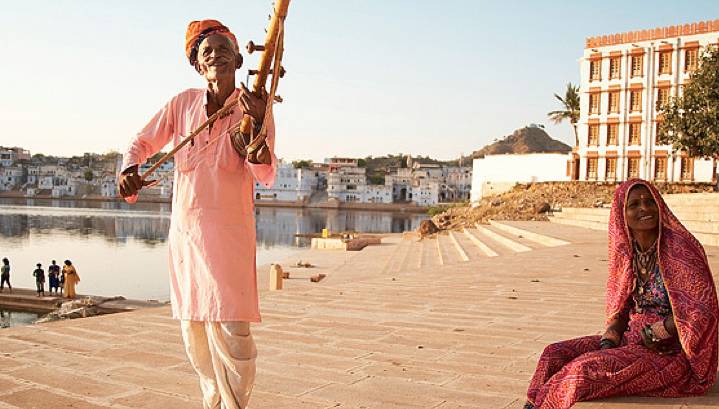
[213, 285]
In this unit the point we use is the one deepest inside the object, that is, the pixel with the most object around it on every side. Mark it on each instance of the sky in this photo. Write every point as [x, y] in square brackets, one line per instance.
[437, 78]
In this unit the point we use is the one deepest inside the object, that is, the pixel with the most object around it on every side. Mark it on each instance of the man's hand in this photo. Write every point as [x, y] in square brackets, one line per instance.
[252, 104]
[261, 155]
[130, 182]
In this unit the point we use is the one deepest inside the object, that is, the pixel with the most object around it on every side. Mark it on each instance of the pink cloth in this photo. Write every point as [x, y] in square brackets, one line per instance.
[212, 230]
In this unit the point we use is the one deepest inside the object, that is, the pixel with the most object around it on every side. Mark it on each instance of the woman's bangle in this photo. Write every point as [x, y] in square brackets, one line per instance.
[607, 342]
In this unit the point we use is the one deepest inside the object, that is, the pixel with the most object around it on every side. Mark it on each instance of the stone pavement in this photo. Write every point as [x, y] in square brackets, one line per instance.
[390, 327]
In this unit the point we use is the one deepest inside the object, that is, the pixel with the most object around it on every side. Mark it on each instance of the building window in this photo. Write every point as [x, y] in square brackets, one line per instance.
[656, 132]
[665, 62]
[592, 168]
[660, 168]
[635, 101]
[611, 171]
[691, 59]
[613, 102]
[637, 65]
[612, 131]
[594, 103]
[595, 70]
[635, 130]
[593, 139]
[633, 168]
[662, 97]
[615, 67]
[687, 166]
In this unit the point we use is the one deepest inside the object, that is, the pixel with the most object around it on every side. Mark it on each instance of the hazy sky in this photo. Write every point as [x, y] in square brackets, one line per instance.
[437, 78]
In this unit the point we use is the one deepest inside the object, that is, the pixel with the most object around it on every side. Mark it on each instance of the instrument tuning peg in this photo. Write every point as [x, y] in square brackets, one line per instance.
[252, 72]
[252, 47]
[282, 71]
[278, 99]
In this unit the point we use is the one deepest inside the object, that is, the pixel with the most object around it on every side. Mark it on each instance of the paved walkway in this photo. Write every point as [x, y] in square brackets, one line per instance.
[403, 325]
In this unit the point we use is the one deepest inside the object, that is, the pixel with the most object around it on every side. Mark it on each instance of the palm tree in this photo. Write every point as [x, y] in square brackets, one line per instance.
[570, 111]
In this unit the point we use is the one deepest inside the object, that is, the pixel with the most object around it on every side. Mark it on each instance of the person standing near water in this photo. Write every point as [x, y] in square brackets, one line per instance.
[71, 279]
[39, 275]
[5, 274]
[53, 274]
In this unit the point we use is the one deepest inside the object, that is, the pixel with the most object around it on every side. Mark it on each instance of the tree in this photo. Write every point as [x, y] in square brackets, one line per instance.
[690, 122]
[88, 174]
[570, 103]
[299, 164]
[361, 163]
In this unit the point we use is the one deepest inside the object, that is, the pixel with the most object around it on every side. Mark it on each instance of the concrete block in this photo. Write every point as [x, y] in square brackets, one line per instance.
[276, 276]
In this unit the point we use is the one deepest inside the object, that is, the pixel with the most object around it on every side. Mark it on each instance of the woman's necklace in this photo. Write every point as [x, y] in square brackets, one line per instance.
[644, 264]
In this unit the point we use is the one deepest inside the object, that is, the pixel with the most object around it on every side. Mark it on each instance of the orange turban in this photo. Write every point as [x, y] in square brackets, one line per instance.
[198, 31]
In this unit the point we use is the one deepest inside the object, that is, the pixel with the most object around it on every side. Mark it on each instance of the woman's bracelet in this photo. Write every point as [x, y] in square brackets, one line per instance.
[607, 342]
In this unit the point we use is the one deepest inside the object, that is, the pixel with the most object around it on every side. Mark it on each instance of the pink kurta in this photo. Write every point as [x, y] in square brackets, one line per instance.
[212, 230]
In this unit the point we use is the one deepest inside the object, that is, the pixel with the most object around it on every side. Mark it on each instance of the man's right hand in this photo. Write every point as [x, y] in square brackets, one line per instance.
[130, 182]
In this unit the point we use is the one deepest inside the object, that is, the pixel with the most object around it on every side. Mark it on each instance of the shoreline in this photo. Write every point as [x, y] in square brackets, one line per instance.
[378, 207]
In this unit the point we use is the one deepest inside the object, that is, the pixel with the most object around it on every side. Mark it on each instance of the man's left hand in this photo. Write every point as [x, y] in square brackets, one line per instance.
[253, 104]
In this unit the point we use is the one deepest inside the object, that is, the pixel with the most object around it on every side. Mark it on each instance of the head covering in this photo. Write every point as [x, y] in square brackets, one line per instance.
[688, 280]
[198, 31]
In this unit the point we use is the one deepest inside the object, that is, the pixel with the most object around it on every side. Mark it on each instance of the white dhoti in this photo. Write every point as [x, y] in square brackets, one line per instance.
[223, 354]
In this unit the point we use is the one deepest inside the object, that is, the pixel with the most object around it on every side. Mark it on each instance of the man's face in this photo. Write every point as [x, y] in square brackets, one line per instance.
[216, 57]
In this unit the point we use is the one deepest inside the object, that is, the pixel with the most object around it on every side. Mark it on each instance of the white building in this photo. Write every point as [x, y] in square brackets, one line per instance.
[425, 191]
[291, 184]
[495, 174]
[457, 184]
[624, 78]
[347, 183]
[11, 177]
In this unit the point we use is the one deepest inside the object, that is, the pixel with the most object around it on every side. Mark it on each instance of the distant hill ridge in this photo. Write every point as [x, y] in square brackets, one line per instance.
[530, 139]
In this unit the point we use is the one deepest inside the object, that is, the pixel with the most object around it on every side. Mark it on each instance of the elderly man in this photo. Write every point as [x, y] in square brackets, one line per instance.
[213, 285]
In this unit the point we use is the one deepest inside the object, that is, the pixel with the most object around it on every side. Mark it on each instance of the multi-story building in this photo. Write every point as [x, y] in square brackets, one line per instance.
[625, 78]
[291, 184]
[11, 177]
[346, 181]
[457, 184]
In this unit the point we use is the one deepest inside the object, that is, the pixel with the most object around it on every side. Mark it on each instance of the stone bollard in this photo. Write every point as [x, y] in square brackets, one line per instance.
[275, 277]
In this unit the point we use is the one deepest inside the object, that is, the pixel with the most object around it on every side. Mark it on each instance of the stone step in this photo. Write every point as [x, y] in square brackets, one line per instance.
[472, 235]
[447, 250]
[413, 258]
[707, 239]
[595, 217]
[460, 249]
[531, 236]
[711, 227]
[502, 240]
[430, 253]
[579, 223]
[399, 255]
[692, 199]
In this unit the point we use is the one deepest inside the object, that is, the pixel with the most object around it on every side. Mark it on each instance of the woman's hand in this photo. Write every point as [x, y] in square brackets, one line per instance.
[653, 343]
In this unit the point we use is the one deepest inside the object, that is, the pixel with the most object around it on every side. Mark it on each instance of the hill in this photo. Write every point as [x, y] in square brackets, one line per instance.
[530, 139]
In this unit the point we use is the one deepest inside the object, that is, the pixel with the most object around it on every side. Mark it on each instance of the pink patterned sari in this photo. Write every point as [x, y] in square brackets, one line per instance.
[578, 370]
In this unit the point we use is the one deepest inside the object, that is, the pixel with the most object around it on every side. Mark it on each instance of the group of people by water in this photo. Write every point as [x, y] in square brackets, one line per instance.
[60, 281]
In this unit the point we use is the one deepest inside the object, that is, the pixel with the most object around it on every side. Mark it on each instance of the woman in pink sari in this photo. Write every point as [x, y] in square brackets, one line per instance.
[661, 303]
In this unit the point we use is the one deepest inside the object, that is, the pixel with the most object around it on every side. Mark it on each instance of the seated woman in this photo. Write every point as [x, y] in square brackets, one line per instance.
[661, 304]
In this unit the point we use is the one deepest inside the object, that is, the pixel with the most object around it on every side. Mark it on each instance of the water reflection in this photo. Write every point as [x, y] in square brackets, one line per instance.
[122, 250]
[150, 223]
[14, 318]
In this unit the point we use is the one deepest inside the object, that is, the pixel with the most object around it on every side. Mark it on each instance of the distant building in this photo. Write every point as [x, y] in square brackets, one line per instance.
[346, 182]
[11, 177]
[624, 79]
[9, 156]
[495, 174]
[291, 184]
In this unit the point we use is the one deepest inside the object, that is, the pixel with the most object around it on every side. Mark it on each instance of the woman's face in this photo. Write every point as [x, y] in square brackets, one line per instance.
[641, 211]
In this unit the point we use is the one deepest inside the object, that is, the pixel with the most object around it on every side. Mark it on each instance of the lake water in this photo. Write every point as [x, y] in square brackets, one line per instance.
[122, 250]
